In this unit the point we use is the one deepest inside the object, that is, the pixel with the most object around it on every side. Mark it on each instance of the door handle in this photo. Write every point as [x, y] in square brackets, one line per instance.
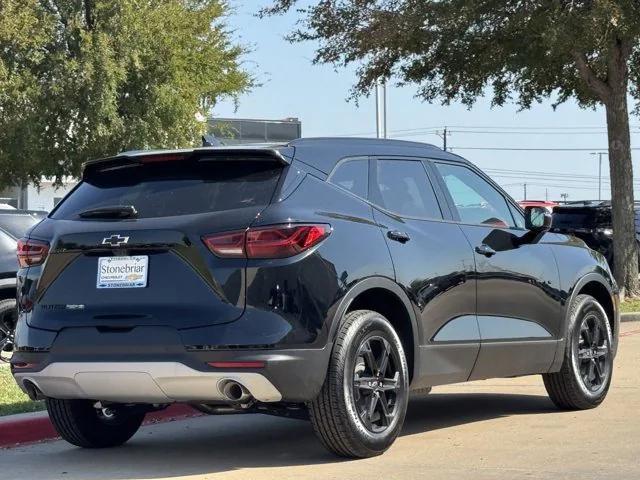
[485, 250]
[398, 236]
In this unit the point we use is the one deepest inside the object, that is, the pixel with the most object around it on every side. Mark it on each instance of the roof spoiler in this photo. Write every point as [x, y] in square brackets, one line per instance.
[280, 154]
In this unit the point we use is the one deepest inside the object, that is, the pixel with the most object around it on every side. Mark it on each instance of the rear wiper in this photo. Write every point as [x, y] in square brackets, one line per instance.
[110, 211]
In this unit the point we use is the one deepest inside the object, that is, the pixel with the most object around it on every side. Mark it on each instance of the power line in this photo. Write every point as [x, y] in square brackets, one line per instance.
[533, 149]
[545, 175]
[537, 127]
[553, 186]
[540, 132]
[506, 129]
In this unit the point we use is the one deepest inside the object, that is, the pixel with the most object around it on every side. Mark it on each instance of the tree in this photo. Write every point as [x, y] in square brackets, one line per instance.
[456, 50]
[86, 79]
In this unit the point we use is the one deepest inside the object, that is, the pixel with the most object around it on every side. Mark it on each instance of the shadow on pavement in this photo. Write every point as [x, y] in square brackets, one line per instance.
[217, 444]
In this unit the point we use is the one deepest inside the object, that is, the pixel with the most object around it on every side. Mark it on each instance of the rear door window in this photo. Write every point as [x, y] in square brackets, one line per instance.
[353, 175]
[403, 187]
[164, 189]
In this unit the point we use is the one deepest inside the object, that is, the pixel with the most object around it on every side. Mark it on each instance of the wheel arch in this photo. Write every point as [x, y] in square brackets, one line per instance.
[603, 290]
[386, 297]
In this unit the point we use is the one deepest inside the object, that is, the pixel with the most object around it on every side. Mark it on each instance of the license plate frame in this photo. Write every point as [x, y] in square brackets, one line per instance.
[122, 272]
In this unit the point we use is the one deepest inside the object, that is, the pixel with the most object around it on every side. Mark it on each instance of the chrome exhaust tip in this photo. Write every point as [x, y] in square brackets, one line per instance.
[32, 390]
[234, 391]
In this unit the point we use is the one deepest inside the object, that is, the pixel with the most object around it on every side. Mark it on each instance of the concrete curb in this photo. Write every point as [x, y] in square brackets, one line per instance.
[35, 427]
[630, 317]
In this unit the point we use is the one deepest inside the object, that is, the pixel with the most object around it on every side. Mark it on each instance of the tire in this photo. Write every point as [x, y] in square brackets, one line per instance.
[585, 376]
[337, 413]
[8, 318]
[81, 424]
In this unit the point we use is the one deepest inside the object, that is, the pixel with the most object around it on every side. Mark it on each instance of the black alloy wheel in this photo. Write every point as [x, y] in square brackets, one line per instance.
[376, 382]
[593, 353]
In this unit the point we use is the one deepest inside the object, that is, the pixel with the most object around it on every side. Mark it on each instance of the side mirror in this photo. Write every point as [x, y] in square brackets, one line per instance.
[537, 219]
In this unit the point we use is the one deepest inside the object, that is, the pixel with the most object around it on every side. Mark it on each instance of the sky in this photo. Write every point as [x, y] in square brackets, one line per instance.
[509, 145]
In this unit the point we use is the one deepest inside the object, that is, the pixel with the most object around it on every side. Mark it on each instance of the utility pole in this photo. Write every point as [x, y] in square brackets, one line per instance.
[525, 191]
[546, 194]
[564, 197]
[600, 154]
[381, 109]
[443, 135]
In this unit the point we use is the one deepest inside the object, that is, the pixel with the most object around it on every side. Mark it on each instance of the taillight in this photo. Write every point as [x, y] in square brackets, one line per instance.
[227, 244]
[276, 241]
[31, 252]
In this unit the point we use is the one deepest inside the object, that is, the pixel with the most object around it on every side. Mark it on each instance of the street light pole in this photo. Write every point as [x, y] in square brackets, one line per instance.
[600, 154]
[381, 109]
[599, 176]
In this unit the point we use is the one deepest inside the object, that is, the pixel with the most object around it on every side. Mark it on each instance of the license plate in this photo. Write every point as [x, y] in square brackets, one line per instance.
[123, 272]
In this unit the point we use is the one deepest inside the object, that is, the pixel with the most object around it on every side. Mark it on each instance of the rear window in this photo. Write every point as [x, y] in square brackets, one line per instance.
[17, 225]
[175, 188]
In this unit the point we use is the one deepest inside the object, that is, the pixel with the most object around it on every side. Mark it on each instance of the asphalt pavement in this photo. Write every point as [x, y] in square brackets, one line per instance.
[494, 429]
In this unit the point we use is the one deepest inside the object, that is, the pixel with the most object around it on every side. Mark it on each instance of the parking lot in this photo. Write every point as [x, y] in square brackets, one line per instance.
[503, 429]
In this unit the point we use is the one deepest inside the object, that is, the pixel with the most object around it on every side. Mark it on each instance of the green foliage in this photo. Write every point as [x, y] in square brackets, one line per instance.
[85, 79]
[455, 49]
[12, 400]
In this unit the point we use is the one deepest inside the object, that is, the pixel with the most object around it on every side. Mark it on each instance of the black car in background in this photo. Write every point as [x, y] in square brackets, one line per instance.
[13, 226]
[591, 221]
[323, 278]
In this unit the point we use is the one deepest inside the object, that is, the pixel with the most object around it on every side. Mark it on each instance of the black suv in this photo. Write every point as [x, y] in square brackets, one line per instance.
[13, 225]
[324, 278]
[591, 221]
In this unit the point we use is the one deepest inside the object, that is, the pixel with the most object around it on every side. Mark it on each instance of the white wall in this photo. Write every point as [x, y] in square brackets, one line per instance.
[43, 198]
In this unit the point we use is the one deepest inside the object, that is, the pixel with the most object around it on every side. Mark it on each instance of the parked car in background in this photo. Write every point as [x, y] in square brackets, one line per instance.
[591, 221]
[321, 279]
[546, 204]
[13, 226]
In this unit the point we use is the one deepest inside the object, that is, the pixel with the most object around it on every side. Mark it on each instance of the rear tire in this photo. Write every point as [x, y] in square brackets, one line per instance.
[361, 408]
[8, 318]
[585, 376]
[81, 424]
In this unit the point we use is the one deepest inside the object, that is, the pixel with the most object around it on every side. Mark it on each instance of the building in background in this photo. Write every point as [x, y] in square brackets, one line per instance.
[242, 131]
[43, 198]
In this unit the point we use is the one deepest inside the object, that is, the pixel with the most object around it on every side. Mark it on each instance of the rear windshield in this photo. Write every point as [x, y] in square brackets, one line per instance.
[17, 225]
[166, 189]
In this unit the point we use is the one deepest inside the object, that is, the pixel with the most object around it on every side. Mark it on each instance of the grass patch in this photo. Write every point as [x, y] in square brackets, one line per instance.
[631, 305]
[12, 400]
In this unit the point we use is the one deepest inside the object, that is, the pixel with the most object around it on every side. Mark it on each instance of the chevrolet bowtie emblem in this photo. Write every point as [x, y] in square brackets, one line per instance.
[115, 240]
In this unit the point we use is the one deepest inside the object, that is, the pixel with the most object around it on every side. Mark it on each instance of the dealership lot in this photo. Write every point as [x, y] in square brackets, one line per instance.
[493, 429]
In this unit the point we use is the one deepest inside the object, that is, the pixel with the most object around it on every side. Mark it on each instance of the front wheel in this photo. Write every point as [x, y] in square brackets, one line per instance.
[585, 376]
[361, 408]
[80, 423]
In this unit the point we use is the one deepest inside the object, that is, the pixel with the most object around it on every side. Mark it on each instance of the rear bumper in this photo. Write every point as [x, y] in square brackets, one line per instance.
[152, 365]
[148, 382]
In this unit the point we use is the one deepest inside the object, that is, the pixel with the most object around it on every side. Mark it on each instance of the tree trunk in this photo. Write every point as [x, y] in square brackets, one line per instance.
[625, 248]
